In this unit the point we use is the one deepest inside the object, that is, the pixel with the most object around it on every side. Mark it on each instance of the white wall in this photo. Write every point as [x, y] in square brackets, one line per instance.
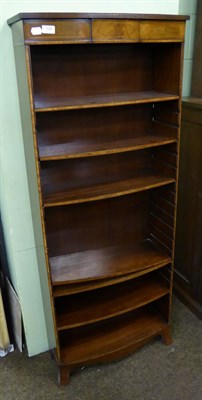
[14, 194]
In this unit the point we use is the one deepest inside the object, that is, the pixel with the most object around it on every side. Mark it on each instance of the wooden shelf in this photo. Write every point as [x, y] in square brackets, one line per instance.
[79, 149]
[72, 288]
[93, 343]
[107, 100]
[90, 307]
[105, 262]
[108, 190]
[105, 118]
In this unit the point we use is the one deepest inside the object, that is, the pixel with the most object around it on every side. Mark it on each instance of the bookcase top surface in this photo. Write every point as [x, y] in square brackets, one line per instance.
[193, 102]
[28, 16]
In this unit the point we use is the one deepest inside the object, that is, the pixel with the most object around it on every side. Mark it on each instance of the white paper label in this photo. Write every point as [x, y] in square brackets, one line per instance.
[48, 29]
[36, 30]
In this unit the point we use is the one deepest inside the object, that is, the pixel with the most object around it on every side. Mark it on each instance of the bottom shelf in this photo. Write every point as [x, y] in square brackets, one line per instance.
[103, 341]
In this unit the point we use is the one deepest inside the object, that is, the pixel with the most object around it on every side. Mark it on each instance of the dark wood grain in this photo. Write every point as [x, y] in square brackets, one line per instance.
[99, 131]
[159, 31]
[194, 102]
[78, 346]
[108, 190]
[104, 93]
[167, 73]
[72, 288]
[95, 178]
[83, 309]
[63, 375]
[188, 254]
[45, 15]
[87, 76]
[105, 262]
[115, 30]
[96, 225]
[77, 30]
[167, 115]
[89, 149]
[106, 100]
[73, 82]
[162, 222]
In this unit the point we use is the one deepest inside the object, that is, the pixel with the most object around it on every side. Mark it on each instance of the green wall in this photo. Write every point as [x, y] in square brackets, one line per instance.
[27, 272]
[188, 7]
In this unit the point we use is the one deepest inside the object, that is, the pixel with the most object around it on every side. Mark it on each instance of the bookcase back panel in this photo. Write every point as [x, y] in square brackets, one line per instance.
[100, 304]
[70, 179]
[67, 71]
[76, 132]
[86, 226]
[165, 160]
[93, 125]
[121, 221]
[61, 176]
[162, 221]
[72, 71]
[167, 71]
[167, 113]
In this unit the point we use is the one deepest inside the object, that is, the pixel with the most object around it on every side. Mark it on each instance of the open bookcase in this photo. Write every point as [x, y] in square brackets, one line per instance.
[105, 99]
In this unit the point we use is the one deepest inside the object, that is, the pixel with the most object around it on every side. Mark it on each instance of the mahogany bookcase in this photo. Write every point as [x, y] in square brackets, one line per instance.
[101, 96]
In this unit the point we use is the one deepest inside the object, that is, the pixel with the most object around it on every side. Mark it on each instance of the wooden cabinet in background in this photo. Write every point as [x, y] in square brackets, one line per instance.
[188, 259]
[188, 254]
[196, 83]
[105, 99]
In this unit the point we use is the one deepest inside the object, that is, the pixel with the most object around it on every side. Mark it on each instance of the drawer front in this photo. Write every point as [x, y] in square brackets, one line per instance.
[162, 30]
[73, 30]
[115, 30]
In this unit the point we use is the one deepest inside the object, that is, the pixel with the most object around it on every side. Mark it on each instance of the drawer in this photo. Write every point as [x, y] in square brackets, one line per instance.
[72, 30]
[162, 30]
[115, 30]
